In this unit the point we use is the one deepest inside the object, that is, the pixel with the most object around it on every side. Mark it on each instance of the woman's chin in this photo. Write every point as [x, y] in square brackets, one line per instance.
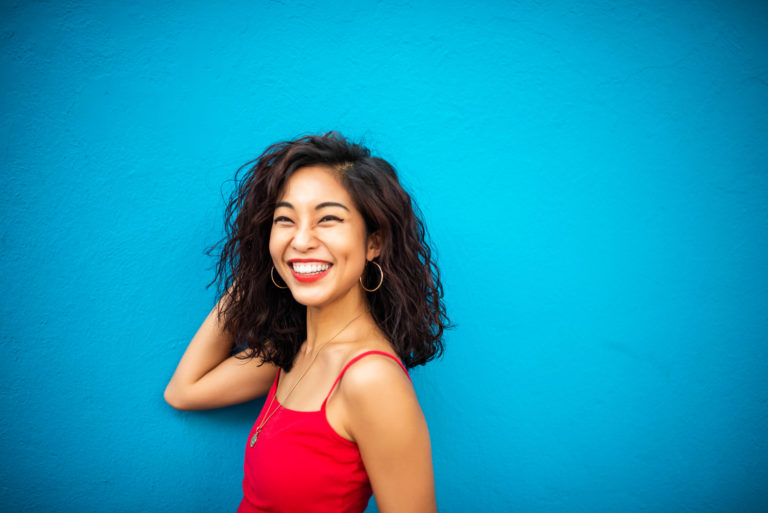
[318, 297]
[307, 298]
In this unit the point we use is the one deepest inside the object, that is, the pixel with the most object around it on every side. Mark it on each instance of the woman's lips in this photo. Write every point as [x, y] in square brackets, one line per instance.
[307, 271]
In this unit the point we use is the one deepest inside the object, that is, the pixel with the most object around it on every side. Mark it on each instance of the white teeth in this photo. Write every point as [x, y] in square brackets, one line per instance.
[309, 267]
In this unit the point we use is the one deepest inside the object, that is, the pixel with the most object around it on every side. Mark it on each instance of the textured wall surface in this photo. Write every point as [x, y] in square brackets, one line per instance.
[594, 175]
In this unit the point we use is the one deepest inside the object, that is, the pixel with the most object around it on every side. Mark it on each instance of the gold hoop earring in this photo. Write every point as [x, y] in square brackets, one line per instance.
[272, 275]
[381, 279]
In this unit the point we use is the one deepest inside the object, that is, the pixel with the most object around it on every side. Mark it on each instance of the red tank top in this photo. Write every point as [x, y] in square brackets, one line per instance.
[300, 464]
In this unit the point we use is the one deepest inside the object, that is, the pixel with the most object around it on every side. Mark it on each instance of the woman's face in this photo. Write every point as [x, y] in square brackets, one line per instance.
[318, 240]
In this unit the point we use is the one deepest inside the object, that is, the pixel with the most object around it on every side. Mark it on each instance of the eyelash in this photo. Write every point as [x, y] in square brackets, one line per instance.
[279, 219]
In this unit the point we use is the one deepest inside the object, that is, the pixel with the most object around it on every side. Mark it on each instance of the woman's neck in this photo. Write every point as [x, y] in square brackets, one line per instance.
[329, 321]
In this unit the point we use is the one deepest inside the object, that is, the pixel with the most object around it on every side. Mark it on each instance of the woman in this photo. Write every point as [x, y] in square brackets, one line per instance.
[329, 293]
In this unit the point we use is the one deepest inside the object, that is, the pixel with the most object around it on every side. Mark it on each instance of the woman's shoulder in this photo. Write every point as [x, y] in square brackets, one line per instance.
[366, 360]
[373, 354]
[376, 392]
[374, 370]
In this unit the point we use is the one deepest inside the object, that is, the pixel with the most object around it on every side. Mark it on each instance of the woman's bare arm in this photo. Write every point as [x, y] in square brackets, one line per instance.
[208, 377]
[386, 421]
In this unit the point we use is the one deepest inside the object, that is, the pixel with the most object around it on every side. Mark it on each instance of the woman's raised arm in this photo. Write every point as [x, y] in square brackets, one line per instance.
[208, 377]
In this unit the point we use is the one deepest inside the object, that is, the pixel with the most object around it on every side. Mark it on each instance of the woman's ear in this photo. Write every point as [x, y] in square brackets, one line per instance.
[373, 248]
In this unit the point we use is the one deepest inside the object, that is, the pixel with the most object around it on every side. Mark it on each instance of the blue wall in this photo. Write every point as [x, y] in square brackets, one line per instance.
[594, 174]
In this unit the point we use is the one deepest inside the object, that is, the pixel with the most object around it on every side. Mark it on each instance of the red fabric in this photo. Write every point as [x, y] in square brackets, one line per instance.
[299, 464]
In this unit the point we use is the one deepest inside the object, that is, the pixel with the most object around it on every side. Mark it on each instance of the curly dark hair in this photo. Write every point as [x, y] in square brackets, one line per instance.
[408, 308]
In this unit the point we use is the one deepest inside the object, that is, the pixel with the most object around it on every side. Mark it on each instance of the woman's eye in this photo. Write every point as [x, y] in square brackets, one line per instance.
[330, 218]
[282, 219]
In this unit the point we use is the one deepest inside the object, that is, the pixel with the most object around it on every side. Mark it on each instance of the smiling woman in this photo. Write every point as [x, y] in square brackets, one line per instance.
[328, 294]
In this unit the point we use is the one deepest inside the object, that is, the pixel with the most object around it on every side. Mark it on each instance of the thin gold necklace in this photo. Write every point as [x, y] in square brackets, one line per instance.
[279, 405]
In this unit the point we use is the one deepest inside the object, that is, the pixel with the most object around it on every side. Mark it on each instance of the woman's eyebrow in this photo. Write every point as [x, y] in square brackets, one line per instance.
[330, 204]
[318, 207]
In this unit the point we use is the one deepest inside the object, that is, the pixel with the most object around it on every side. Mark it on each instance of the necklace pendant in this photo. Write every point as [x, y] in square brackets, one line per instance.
[255, 437]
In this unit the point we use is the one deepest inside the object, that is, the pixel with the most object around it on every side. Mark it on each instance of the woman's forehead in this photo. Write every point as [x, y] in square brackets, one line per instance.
[314, 184]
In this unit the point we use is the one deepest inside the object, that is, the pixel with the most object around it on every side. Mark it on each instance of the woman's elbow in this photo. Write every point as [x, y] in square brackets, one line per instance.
[174, 399]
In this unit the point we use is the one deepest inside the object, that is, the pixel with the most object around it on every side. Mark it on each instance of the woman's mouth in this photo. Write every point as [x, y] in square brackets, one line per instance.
[309, 271]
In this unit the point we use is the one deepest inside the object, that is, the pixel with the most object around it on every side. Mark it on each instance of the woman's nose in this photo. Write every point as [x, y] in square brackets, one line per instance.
[304, 237]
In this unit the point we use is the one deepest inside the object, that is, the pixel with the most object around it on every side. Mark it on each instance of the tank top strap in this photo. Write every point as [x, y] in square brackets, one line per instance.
[273, 388]
[356, 358]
